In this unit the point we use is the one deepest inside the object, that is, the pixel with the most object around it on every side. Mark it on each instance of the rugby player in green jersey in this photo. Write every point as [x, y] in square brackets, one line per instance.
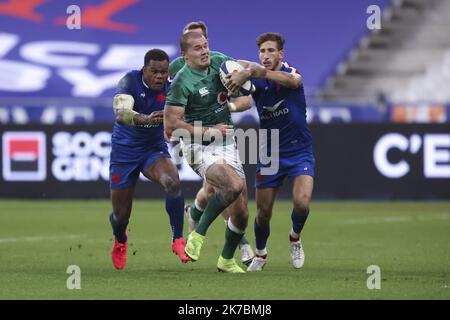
[193, 212]
[196, 103]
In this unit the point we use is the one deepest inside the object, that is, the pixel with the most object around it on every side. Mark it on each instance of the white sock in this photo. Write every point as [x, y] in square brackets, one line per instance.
[262, 252]
[233, 228]
[294, 235]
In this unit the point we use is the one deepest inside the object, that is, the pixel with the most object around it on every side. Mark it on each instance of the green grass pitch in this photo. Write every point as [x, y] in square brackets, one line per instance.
[409, 241]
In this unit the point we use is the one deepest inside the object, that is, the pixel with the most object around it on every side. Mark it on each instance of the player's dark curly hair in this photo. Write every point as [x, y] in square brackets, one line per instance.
[155, 55]
[271, 36]
[196, 25]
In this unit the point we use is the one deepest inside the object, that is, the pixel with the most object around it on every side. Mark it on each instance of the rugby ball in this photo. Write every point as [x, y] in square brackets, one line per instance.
[231, 66]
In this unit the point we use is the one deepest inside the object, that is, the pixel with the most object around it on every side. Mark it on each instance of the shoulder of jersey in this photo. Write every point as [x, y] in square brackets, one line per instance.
[178, 59]
[179, 74]
[217, 60]
[215, 53]
[181, 79]
[130, 79]
[132, 75]
[292, 69]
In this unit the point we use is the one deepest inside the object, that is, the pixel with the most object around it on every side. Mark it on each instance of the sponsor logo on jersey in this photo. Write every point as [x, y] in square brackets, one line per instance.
[274, 107]
[275, 114]
[220, 109]
[203, 91]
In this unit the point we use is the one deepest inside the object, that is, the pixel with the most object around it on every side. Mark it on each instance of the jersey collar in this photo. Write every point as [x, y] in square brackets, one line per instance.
[198, 72]
[143, 82]
[284, 66]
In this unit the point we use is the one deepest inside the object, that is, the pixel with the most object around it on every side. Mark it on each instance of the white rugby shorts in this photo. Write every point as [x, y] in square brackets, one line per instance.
[201, 157]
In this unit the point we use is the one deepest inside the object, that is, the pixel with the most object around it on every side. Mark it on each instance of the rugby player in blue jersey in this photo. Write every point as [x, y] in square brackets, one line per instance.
[281, 105]
[138, 145]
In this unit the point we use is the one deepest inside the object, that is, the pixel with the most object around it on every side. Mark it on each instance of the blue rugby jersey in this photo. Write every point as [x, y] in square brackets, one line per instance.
[284, 109]
[132, 142]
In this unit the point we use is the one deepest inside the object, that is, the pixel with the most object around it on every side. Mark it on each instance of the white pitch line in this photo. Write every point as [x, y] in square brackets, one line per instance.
[374, 220]
[442, 216]
[42, 238]
[422, 217]
[334, 244]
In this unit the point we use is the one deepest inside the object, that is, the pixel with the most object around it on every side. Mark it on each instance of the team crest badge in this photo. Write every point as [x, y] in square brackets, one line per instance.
[222, 97]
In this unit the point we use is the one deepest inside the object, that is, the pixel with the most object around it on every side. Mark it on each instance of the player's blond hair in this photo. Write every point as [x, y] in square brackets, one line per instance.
[185, 37]
[196, 25]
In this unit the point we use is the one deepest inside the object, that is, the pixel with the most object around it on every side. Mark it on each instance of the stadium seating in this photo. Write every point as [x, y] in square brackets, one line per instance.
[433, 86]
[408, 60]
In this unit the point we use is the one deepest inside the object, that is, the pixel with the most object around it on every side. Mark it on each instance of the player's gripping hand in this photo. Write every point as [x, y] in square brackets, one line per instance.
[235, 80]
[156, 117]
[152, 119]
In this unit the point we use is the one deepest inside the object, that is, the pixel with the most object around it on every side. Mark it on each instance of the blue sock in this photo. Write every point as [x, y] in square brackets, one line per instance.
[119, 231]
[175, 210]
[298, 220]
[261, 235]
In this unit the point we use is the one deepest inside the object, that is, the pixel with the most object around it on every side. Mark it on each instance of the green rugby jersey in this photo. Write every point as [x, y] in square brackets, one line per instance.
[178, 63]
[202, 94]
